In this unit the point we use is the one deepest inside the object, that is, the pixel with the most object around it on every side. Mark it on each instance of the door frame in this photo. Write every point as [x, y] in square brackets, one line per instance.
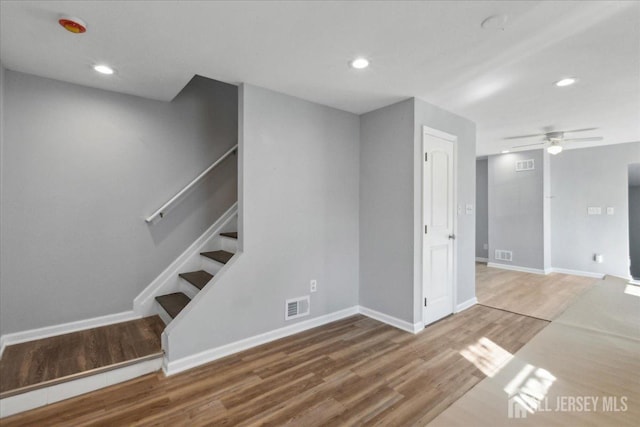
[454, 291]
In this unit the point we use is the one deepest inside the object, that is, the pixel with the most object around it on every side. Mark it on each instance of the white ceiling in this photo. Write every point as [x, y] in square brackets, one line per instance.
[436, 51]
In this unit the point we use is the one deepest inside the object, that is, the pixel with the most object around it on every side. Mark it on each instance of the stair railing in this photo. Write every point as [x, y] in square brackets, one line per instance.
[162, 210]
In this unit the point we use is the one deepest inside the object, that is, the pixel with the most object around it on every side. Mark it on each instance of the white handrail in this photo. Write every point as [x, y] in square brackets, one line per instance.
[159, 214]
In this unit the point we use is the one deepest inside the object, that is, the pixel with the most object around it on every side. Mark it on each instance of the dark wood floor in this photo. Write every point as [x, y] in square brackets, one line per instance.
[354, 371]
[48, 361]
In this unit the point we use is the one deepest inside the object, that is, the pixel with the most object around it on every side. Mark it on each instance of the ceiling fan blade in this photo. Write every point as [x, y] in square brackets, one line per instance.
[529, 145]
[579, 130]
[524, 136]
[593, 138]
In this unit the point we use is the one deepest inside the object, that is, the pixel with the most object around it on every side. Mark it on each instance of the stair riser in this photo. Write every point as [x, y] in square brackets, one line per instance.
[229, 244]
[162, 313]
[188, 289]
[54, 393]
[210, 265]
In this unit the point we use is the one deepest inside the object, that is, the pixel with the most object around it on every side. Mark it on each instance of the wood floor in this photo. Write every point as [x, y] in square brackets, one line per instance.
[354, 371]
[536, 295]
[48, 361]
[591, 351]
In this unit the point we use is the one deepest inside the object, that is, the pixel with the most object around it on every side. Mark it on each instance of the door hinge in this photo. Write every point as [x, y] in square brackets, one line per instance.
[425, 229]
[425, 302]
[426, 157]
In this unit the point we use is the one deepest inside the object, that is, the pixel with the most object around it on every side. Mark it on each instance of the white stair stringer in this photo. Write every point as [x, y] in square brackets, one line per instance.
[190, 260]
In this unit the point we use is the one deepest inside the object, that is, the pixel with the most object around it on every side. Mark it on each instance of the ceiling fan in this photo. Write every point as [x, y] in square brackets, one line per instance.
[555, 138]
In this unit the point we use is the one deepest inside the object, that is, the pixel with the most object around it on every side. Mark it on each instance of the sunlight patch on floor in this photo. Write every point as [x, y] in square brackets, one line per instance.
[487, 356]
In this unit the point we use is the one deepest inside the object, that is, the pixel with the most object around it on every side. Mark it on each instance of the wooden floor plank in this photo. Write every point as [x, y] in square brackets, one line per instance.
[53, 359]
[536, 295]
[353, 371]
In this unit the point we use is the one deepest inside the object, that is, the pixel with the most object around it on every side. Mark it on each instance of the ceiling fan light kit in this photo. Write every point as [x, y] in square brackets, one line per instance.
[554, 148]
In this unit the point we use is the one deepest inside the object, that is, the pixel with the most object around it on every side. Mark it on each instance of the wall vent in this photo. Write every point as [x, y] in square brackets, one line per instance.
[296, 307]
[504, 255]
[525, 165]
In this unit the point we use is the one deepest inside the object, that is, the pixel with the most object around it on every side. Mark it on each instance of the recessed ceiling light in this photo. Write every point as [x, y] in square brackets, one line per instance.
[360, 63]
[505, 151]
[103, 69]
[566, 82]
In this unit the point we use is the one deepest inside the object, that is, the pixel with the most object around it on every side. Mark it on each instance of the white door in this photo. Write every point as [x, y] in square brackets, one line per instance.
[438, 221]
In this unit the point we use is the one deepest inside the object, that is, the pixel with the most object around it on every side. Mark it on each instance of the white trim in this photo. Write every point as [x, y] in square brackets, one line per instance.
[188, 362]
[480, 259]
[44, 396]
[518, 268]
[466, 304]
[634, 282]
[439, 134]
[64, 328]
[143, 303]
[577, 272]
[412, 328]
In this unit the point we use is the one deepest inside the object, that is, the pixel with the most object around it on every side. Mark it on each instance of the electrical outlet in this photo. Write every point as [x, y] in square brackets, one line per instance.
[314, 285]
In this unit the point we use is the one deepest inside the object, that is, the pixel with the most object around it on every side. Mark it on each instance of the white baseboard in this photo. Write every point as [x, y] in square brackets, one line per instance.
[182, 364]
[55, 393]
[466, 304]
[634, 282]
[144, 301]
[577, 272]
[518, 268]
[480, 259]
[413, 328]
[64, 328]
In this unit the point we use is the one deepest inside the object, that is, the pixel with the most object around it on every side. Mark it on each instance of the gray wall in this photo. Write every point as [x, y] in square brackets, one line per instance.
[298, 201]
[591, 177]
[482, 208]
[386, 210]
[81, 168]
[516, 211]
[391, 206]
[634, 230]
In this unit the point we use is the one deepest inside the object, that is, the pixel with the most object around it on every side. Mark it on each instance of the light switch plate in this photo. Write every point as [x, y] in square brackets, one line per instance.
[469, 209]
[594, 210]
[610, 210]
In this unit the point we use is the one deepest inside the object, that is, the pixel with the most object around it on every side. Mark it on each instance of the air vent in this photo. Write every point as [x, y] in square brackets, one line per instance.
[504, 255]
[296, 307]
[525, 165]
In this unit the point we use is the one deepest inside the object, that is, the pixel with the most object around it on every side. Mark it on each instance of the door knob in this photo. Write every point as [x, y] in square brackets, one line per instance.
[452, 236]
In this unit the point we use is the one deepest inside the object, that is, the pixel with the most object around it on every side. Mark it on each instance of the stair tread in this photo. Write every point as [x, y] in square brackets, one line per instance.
[220, 256]
[173, 303]
[232, 234]
[197, 278]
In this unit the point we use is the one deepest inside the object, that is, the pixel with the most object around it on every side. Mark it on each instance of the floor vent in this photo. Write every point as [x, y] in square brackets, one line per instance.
[296, 307]
[504, 255]
[525, 165]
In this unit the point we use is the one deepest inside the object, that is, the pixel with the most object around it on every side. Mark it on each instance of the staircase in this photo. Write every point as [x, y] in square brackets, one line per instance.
[212, 261]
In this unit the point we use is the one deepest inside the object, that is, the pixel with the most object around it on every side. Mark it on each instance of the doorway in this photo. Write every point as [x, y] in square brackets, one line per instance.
[439, 223]
[634, 221]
